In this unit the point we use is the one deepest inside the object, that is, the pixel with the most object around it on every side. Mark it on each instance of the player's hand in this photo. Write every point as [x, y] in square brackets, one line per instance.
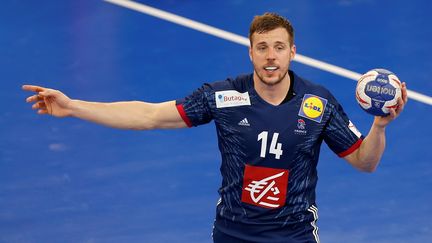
[48, 101]
[383, 121]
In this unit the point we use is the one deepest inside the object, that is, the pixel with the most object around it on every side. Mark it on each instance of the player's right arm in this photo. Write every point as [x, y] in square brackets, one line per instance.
[135, 115]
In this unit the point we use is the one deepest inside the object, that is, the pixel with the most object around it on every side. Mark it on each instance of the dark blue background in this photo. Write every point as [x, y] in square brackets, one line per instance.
[65, 180]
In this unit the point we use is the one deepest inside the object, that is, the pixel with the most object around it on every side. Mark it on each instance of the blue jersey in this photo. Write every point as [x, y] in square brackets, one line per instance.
[269, 153]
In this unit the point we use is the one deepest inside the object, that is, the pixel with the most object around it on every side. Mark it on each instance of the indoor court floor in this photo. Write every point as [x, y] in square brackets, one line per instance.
[66, 180]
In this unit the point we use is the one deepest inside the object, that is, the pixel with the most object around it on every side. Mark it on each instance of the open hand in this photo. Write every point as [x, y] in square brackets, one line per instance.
[48, 101]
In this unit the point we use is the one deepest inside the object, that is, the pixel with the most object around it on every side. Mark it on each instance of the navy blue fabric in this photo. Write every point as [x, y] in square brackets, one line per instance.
[298, 233]
[239, 146]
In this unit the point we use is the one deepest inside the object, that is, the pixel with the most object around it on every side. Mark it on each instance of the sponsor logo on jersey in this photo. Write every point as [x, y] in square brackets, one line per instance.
[244, 122]
[301, 127]
[264, 187]
[354, 129]
[231, 98]
[313, 107]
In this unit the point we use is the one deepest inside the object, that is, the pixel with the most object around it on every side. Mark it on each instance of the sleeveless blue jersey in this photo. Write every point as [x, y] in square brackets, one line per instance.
[269, 153]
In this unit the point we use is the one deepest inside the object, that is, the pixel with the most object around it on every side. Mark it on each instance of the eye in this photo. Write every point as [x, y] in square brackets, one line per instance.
[280, 48]
[261, 48]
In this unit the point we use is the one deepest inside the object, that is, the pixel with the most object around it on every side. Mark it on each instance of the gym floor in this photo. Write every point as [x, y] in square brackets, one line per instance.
[66, 180]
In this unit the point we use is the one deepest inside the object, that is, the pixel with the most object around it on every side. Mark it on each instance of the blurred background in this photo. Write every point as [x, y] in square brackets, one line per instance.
[66, 180]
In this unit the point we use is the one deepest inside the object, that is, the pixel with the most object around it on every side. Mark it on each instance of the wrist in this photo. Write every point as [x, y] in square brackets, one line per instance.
[74, 107]
[379, 127]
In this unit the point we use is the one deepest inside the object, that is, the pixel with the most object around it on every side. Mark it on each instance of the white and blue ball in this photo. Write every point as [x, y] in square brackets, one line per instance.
[377, 91]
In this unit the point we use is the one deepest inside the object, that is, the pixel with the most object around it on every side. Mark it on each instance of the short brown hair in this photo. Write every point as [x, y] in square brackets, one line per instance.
[270, 21]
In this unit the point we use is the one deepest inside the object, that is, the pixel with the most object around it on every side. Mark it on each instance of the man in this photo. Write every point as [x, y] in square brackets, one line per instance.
[270, 126]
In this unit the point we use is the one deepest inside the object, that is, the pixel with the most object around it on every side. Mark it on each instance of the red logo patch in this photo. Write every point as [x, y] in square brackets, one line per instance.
[264, 187]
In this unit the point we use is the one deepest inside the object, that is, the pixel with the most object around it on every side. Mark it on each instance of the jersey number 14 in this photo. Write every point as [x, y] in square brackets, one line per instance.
[275, 147]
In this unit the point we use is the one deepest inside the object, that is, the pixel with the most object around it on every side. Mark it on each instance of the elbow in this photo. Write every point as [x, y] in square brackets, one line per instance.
[367, 164]
[368, 167]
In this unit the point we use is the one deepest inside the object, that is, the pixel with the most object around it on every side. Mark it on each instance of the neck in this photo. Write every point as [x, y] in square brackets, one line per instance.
[274, 93]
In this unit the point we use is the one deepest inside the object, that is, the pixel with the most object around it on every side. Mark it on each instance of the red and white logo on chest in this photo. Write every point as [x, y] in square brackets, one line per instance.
[264, 187]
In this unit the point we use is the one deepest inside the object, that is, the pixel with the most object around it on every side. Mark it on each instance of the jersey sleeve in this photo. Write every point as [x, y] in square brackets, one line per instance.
[195, 109]
[340, 134]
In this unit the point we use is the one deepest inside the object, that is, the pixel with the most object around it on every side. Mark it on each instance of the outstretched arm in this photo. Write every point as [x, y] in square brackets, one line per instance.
[124, 115]
[367, 156]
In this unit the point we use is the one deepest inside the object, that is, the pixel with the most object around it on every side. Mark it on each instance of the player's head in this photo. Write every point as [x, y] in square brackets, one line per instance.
[270, 21]
[271, 48]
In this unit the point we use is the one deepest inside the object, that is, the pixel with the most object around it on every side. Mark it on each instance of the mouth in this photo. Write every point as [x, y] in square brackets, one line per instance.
[271, 69]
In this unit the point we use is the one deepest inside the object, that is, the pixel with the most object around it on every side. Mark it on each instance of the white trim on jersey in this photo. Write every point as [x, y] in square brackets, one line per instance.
[314, 211]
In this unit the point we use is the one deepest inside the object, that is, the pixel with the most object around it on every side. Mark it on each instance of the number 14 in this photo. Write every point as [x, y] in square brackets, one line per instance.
[275, 147]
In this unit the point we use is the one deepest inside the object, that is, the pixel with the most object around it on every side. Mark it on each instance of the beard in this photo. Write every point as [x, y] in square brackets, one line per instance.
[268, 82]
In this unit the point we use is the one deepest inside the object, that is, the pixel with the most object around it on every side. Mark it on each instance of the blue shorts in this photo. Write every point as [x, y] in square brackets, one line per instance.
[302, 233]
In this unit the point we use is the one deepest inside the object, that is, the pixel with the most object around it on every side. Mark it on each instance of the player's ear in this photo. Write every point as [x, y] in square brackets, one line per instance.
[250, 53]
[293, 52]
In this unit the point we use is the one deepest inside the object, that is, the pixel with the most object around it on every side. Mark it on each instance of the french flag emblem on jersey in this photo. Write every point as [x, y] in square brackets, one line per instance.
[264, 187]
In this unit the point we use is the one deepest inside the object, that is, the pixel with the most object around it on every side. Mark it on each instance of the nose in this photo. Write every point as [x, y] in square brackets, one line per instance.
[270, 54]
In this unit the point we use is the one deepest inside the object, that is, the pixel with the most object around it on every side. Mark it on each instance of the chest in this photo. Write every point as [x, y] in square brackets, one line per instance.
[265, 133]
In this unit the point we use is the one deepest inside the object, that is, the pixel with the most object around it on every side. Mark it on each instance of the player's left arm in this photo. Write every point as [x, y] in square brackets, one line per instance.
[368, 155]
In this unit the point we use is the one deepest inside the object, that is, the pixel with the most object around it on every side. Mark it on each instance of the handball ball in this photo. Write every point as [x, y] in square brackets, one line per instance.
[377, 91]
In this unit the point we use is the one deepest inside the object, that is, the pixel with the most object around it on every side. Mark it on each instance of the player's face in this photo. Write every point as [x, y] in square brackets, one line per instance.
[271, 54]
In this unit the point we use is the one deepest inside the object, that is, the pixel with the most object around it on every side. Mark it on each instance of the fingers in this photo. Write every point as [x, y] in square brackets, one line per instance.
[393, 113]
[39, 105]
[45, 93]
[41, 108]
[34, 98]
[400, 106]
[42, 98]
[402, 100]
[36, 89]
[33, 88]
[404, 93]
[43, 112]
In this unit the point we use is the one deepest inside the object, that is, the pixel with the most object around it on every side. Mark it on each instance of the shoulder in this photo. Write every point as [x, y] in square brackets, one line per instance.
[241, 83]
[303, 87]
